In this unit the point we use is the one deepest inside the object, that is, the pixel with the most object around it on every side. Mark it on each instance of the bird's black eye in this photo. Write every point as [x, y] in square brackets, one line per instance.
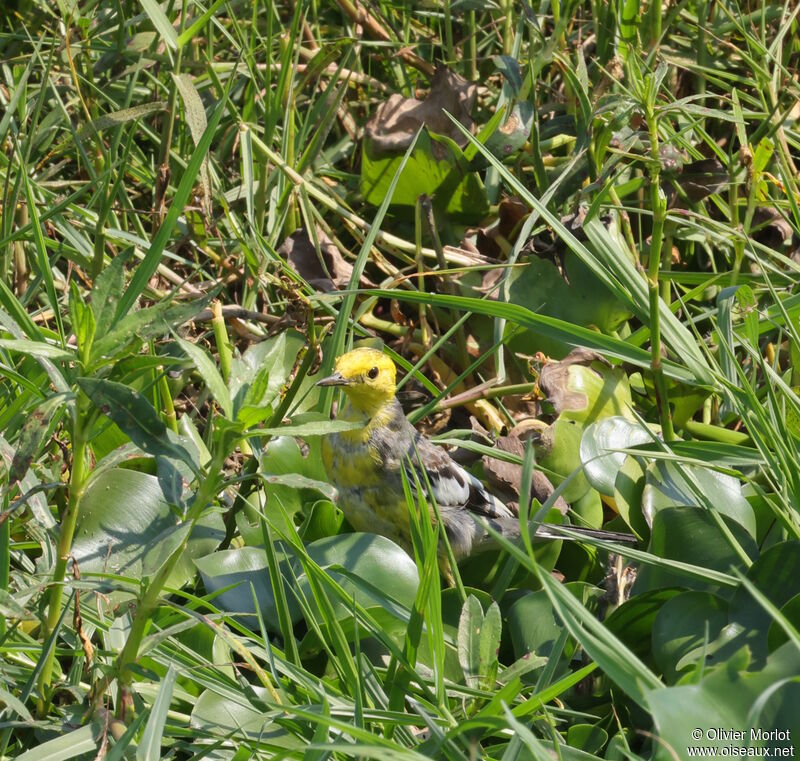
[373, 373]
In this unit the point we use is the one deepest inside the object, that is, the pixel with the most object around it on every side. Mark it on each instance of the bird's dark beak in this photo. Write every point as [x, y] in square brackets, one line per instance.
[337, 379]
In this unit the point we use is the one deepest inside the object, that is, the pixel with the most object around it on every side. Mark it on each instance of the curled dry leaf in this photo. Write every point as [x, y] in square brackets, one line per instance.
[505, 478]
[554, 379]
[398, 119]
[327, 270]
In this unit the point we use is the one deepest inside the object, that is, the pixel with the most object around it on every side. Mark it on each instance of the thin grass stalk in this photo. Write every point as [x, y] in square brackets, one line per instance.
[5, 556]
[508, 27]
[658, 205]
[472, 47]
[449, 48]
[163, 176]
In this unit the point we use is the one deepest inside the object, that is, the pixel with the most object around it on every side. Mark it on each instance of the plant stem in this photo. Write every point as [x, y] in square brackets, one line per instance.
[149, 602]
[77, 485]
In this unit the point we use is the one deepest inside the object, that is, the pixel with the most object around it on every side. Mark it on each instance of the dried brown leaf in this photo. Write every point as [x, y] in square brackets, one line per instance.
[398, 119]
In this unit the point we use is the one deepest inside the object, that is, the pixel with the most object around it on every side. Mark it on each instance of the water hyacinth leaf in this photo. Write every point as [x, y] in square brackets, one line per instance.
[137, 418]
[725, 697]
[777, 636]
[667, 484]
[676, 534]
[584, 388]
[324, 519]
[558, 452]
[633, 620]
[684, 628]
[245, 571]
[599, 450]
[579, 298]
[589, 738]
[628, 489]
[589, 509]
[436, 168]
[775, 575]
[372, 568]
[127, 527]
[230, 715]
[532, 625]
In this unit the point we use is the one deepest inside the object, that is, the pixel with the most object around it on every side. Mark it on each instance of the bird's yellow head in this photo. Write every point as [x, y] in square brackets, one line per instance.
[367, 376]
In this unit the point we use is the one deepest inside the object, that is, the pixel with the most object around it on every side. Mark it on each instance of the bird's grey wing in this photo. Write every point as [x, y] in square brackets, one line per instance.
[450, 485]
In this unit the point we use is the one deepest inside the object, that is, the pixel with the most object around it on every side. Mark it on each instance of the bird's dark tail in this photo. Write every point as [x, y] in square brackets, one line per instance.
[510, 529]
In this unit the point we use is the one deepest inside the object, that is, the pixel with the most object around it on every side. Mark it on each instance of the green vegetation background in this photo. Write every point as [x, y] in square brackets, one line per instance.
[203, 203]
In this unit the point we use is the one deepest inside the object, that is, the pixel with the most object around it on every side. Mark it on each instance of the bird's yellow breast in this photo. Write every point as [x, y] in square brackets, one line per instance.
[350, 461]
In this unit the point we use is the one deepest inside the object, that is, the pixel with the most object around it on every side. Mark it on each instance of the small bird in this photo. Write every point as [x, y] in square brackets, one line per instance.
[366, 465]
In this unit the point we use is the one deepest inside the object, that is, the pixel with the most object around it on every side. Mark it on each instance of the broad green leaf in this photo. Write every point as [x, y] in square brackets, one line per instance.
[436, 168]
[469, 637]
[135, 416]
[558, 452]
[245, 571]
[775, 575]
[730, 698]
[684, 630]
[579, 298]
[126, 527]
[677, 533]
[228, 713]
[667, 485]
[144, 324]
[633, 620]
[370, 567]
[599, 450]
[532, 625]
